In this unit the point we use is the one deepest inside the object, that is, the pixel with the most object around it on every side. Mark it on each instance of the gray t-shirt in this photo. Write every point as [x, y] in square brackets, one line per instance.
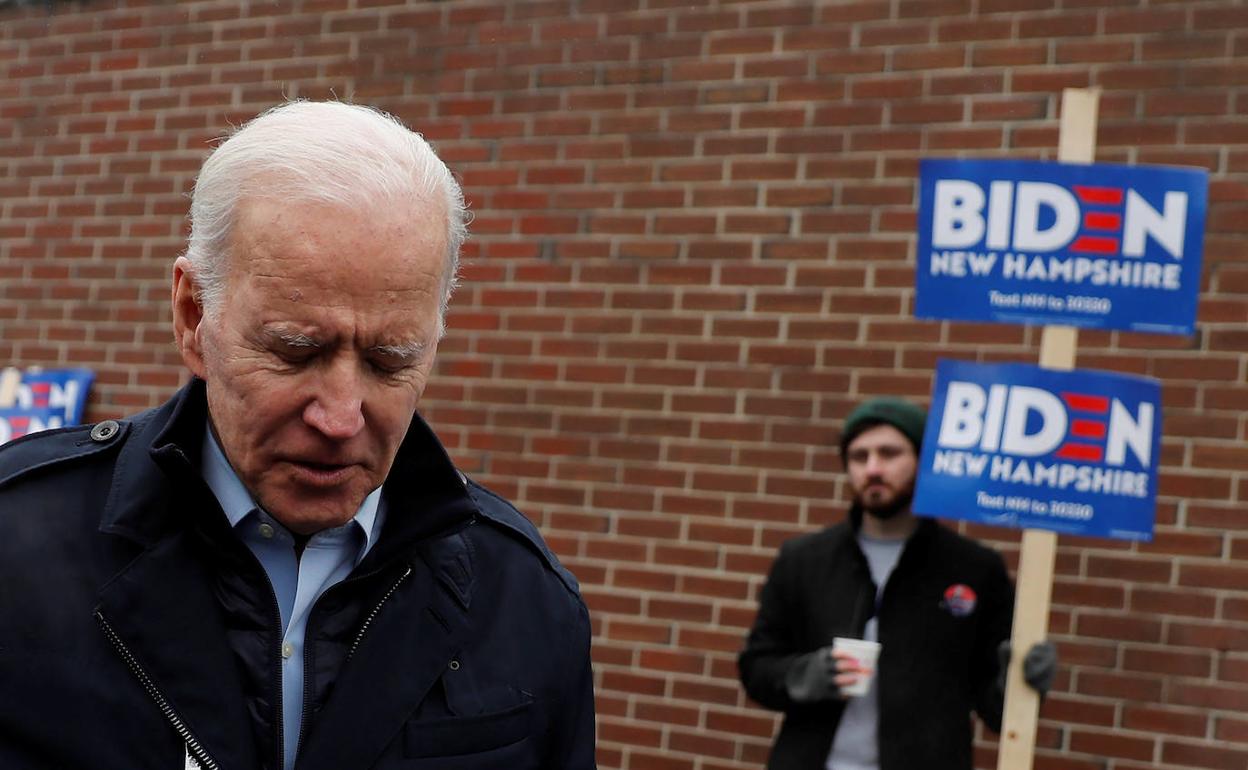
[856, 746]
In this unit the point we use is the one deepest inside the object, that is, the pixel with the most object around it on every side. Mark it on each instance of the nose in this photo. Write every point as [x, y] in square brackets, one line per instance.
[875, 464]
[336, 411]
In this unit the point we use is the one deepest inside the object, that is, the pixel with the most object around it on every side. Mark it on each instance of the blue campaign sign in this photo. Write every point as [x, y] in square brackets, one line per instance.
[45, 399]
[1014, 445]
[1030, 242]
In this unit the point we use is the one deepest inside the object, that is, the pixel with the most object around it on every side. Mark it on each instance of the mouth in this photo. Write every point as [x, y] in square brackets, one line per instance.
[318, 474]
[877, 493]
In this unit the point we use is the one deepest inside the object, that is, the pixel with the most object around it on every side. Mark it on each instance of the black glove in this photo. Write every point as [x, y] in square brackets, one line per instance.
[812, 677]
[1039, 666]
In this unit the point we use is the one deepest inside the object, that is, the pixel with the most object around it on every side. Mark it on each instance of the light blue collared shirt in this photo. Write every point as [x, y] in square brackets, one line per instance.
[328, 557]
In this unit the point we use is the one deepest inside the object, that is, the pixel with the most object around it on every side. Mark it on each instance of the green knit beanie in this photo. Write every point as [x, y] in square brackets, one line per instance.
[902, 415]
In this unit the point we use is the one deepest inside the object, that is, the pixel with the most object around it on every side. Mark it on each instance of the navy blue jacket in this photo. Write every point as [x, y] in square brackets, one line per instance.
[137, 631]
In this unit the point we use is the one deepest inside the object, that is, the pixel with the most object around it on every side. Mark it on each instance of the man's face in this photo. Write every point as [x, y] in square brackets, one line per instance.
[320, 350]
[882, 464]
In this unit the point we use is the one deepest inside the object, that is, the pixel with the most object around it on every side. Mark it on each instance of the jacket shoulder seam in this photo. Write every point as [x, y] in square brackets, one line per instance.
[76, 451]
[526, 531]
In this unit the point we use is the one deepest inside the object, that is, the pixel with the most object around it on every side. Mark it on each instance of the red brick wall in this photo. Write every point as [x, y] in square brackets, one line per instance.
[691, 255]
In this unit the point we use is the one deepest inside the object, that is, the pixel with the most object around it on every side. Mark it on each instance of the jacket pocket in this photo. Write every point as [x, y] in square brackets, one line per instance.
[462, 736]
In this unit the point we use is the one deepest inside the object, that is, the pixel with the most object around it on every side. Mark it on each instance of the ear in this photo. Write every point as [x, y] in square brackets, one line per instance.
[188, 314]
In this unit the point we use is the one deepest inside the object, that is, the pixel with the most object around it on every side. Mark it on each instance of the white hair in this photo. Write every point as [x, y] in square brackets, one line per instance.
[329, 152]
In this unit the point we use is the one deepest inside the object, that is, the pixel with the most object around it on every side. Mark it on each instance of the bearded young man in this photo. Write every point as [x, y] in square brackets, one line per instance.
[939, 604]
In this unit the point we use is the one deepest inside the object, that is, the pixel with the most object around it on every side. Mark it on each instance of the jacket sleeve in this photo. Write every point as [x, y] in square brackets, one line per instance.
[995, 626]
[771, 648]
[573, 745]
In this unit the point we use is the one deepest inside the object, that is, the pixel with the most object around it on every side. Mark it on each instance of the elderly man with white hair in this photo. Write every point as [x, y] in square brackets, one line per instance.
[281, 568]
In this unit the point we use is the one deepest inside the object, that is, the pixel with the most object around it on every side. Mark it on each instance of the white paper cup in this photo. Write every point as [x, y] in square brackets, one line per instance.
[866, 654]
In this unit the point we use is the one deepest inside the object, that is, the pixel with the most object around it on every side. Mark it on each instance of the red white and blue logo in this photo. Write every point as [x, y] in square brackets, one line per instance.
[1103, 246]
[959, 600]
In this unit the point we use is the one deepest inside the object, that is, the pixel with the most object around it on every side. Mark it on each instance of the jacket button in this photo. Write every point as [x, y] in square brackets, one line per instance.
[454, 665]
[104, 431]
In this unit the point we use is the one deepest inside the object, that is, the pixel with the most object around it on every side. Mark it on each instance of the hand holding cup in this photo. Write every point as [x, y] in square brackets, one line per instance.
[855, 661]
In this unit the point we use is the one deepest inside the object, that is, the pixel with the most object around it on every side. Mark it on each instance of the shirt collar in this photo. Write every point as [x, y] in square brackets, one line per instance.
[237, 502]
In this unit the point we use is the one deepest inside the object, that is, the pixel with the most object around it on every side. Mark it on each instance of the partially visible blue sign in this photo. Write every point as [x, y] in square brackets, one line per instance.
[45, 399]
[15, 423]
[1014, 445]
[1031, 242]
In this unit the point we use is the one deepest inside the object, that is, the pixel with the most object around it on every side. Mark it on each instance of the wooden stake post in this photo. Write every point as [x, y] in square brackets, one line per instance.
[1076, 144]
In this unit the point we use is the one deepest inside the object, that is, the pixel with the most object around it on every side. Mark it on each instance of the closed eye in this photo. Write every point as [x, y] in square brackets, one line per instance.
[396, 358]
[388, 365]
[293, 347]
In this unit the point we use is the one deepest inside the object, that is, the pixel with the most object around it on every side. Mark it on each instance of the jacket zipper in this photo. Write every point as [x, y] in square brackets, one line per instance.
[307, 683]
[369, 620]
[279, 695]
[193, 746]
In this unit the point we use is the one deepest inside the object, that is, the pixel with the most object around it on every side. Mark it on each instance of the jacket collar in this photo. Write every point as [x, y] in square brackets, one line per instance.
[157, 484]
[923, 532]
[159, 499]
[157, 470]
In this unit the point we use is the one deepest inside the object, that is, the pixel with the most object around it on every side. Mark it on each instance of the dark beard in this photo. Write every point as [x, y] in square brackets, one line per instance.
[898, 504]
